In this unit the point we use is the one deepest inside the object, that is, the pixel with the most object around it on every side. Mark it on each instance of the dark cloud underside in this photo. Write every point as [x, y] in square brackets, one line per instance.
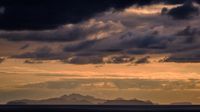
[44, 53]
[188, 57]
[186, 11]
[48, 14]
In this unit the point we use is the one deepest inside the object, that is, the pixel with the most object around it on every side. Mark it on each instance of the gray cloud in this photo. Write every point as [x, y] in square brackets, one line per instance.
[66, 33]
[189, 31]
[44, 53]
[79, 46]
[185, 57]
[186, 11]
[70, 34]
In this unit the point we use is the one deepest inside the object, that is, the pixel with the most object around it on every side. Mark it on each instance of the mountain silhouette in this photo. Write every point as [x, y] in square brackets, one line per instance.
[77, 99]
[121, 101]
[73, 99]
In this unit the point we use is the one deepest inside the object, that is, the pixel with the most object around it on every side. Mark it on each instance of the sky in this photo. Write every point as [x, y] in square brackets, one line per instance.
[149, 50]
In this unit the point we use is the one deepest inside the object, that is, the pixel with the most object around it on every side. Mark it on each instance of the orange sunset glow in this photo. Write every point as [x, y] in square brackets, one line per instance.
[146, 51]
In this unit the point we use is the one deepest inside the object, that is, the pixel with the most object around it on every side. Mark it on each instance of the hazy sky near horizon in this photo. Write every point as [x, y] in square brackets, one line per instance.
[107, 49]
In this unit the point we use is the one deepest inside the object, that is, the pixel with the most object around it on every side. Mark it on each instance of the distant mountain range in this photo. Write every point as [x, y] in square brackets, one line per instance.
[77, 99]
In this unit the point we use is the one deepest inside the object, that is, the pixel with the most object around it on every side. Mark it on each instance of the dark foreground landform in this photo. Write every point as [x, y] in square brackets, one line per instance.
[99, 108]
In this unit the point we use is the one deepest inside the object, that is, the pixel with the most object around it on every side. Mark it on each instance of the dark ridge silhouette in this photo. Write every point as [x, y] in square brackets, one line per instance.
[120, 101]
[73, 99]
[77, 99]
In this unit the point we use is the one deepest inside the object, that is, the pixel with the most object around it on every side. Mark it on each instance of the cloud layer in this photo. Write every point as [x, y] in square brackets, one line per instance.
[116, 83]
[154, 28]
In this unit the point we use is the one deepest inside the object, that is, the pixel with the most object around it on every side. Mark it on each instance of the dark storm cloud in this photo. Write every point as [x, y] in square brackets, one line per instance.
[186, 57]
[183, 59]
[111, 50]
[186, 11]
[121, 44]
[183, 40]
[65, 33]
[44, 53]
[112, 33]
[150, 42]
[178, 1]
[88, 47]
[189, 31]
[49, 14]
[92, 51]
[79, 46]
[70, 34]
[174, 1]
[137, 51]
[191, 34]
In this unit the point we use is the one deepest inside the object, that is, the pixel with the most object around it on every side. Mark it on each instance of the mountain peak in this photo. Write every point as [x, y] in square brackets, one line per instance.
[71, 95]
